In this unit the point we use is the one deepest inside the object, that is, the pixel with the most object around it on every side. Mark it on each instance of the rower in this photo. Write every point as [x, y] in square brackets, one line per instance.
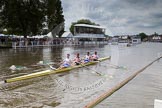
[77, 60]
[95, 56]
[87, 58]
[66, 63]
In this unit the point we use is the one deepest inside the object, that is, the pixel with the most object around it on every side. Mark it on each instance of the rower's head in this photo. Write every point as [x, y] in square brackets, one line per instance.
[87, 53]
[95, 52]
[68, 55]
[77, 54]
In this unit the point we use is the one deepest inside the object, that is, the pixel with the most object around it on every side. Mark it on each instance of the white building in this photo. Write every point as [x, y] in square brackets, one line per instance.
[88, 34]
[136, 40]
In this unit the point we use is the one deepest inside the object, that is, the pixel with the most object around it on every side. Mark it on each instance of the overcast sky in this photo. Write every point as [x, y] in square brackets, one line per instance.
[118, 16]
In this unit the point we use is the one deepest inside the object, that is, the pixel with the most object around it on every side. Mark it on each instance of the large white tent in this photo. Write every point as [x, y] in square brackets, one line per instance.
[50, 35]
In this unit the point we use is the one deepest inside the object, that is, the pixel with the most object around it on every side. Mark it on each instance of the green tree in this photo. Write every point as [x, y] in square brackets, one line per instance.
[82, 21]
[55, 17]
[27, 17]
[143, 36]
[22, 17]
[156, 34]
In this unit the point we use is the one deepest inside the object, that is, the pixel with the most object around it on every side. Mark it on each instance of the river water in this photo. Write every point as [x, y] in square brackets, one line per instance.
[76, 88]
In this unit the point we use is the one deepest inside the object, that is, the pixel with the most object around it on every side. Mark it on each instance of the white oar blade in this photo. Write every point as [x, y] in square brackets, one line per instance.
[53, 68]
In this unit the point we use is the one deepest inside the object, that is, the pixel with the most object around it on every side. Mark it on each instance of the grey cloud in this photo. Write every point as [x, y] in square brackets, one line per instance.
[120, 16]
[157, 15]
[150, 25]
[141, 3]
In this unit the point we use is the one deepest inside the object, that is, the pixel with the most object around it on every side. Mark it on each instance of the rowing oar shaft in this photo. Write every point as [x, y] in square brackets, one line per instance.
[91, 69]
[118, 86]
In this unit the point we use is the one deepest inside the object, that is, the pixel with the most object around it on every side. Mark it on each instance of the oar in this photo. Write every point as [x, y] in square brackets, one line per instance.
[53, 68]
[91, 69]
[44, 62]
[99, 73]
[117, 67]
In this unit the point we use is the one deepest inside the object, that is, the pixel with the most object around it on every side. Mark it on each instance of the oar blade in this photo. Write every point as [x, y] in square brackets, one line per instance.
[53, 68]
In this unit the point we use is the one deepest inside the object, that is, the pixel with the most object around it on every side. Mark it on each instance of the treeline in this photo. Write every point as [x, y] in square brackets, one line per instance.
[29, 17]
[144, 36]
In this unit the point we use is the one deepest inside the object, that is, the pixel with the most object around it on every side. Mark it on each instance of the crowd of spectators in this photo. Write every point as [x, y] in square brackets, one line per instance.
[24, 42]
[4, 40]
[38, 41]
[20, 41]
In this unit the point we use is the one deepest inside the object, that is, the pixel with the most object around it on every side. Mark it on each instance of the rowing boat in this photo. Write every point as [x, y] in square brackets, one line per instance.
[47, 72]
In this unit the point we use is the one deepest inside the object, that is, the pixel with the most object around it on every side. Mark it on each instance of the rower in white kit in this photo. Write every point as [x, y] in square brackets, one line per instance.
[87, 58]
[66, 63]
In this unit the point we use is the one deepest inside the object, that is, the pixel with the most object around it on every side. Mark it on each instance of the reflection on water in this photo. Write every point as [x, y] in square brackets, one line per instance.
[48, 92]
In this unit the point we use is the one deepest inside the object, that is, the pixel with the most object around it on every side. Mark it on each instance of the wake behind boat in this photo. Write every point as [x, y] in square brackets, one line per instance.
[47, 72]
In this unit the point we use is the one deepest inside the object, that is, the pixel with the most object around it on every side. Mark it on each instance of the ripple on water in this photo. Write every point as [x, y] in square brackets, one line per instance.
[44, 93]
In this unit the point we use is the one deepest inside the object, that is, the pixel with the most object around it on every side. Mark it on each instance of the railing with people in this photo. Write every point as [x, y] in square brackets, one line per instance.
[38, 42]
